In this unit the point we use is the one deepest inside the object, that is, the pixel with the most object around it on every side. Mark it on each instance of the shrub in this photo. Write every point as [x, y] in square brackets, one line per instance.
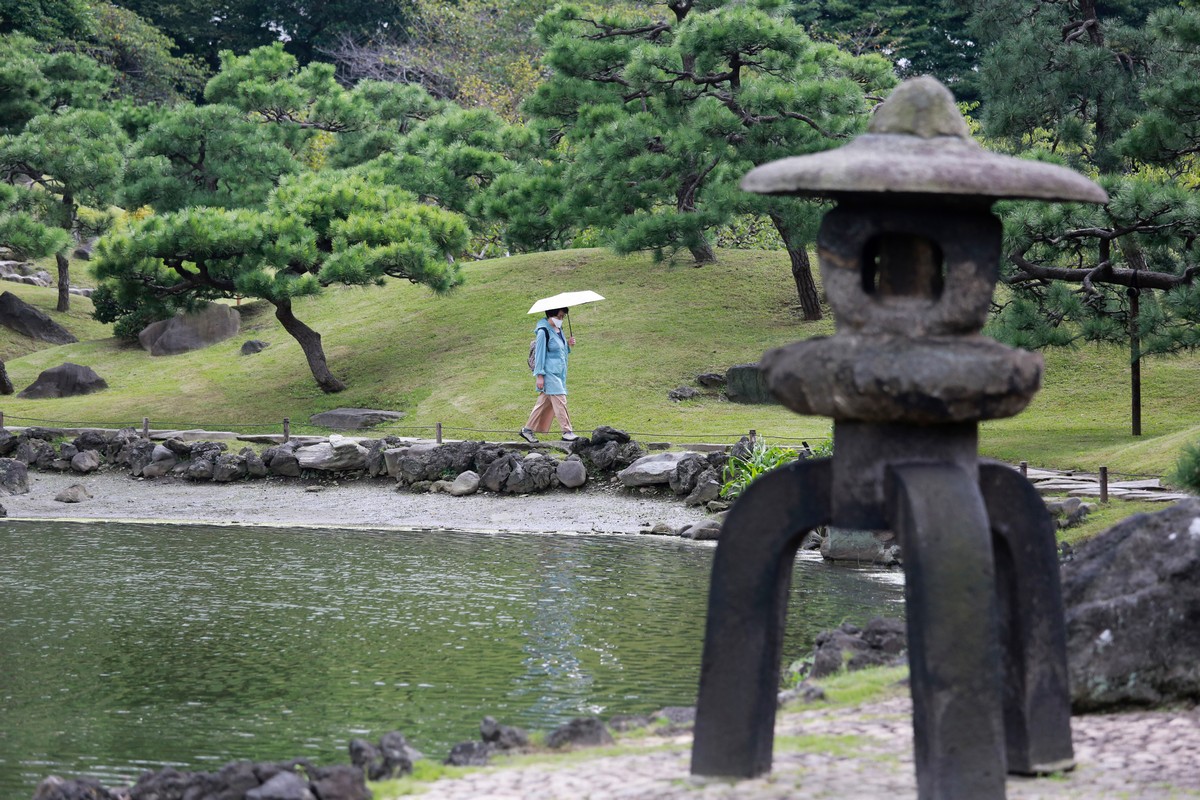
[1187, 469]
[741, 472]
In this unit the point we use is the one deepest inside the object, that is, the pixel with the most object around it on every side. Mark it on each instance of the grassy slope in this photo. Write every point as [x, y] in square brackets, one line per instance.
[459, 359]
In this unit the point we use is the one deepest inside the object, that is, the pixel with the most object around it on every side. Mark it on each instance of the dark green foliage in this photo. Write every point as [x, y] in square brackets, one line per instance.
[1105, 89]
[146, 70]
[919, 38]
[47, 20]
[205, 156]
[657, 114]
[318, 229]
[34, 81]
[242, 25]
[1186, 474]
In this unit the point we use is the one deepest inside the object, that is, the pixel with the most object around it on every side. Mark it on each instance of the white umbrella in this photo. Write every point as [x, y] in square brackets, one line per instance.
[564, 300]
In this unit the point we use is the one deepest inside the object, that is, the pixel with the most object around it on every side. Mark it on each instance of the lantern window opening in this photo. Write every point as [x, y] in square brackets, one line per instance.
[903, 265]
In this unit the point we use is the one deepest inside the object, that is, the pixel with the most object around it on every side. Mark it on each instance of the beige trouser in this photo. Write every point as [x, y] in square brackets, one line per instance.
[547, 406]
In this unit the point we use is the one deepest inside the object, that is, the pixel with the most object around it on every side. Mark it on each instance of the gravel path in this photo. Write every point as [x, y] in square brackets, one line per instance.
[368, 503]
[862, 753]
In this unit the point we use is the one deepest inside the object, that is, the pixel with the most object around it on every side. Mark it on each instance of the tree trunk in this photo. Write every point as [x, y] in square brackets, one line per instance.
[64, 283]
[310, 343]
[6, 384]
[1135, 364]
[806, 286]
[703, 254]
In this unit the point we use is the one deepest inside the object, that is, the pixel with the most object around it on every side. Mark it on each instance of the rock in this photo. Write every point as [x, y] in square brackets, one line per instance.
[393, 757]
[284, 461]
[747, 383]
[805, 693]
[229, 467]
[8, 443]
[55, 788]
[255, 468]
[339, 782]
[711, 380]
[339, 454]
[1132, 597]
[534, 473]
[3, 511]
[504, 737]
[465, 484]
[284, 786]
[138, 454]
[354, 418]
[580, 732]
[881, 642]
[611, 454]
[84, 250]
[652, 469]
[162, 460]
[65, 380]
[683, 393]
[861, 547]
[682, 479]
[708, 488]
[571, 472]
[702, 531]
[398, 755]
[428, 461]
[201, 469]
[605, 434]
[253, 346]
[661, 529]
[23, 318]
[469, 754]
[75, 493]
[14, 477]
[185, 332]
[33, 452]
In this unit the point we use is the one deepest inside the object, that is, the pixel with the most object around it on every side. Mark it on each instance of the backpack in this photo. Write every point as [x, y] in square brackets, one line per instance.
[533, 348]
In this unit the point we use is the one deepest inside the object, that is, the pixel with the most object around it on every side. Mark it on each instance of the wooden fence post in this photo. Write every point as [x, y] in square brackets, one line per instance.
[1024, 469]
[145, 427]
[1104, 484]
[439, 433]
[287, 429]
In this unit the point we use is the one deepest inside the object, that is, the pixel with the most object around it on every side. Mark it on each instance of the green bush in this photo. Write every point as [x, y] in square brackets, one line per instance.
[1186, 474]
[741, 472]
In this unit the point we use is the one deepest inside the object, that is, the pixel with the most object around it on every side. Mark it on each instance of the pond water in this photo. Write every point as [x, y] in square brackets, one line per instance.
[130, 647]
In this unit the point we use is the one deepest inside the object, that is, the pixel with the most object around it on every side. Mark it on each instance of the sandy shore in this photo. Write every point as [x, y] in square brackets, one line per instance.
[367, 503]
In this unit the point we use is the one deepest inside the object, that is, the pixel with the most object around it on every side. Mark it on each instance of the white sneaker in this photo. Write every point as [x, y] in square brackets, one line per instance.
[569, 437]
[528, 436]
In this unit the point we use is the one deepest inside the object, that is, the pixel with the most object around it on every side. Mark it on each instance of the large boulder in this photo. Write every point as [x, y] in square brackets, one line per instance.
[23, 318]
[653, 469]
[14, 477]
[354, 418]
[339, 454]
[580, 732]
[881, 642]
[571, 472]
[162, 460]
[190, 331]
[747, 383]
[65, 380]
[1132, 596]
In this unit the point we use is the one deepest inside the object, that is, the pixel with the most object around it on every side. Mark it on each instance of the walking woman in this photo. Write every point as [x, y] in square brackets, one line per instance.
[550, 373]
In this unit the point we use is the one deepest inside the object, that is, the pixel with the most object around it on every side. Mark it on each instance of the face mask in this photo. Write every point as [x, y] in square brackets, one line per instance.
[556, 322]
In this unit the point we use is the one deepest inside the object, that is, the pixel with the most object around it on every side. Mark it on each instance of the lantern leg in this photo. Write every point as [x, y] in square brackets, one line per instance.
[1037, 698]
[747, 607]
[938, 514]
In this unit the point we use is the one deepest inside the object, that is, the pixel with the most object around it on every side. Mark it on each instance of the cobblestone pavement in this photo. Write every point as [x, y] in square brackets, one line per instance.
[863, 752]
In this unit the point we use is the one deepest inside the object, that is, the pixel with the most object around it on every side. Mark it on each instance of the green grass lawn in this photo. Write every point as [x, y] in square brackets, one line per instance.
[459, 359]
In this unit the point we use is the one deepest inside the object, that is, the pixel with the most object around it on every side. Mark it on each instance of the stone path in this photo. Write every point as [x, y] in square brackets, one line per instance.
[1085, 484]
[862, 752]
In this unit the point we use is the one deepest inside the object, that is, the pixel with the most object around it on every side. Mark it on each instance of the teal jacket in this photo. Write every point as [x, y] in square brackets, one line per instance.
[550, 357]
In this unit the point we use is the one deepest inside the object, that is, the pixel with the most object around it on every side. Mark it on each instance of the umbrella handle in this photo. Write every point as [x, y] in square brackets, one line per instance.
[570, 333]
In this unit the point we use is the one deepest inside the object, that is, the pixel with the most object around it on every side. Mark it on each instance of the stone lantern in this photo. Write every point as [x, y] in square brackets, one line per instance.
[909, 259]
